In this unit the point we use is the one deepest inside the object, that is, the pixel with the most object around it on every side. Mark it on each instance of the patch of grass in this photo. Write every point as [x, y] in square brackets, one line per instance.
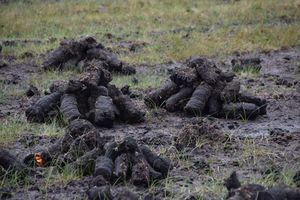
[152, 113]
[41, 80]
[276, 167]
[65, 176]
[208, 186]
[174, 29]
[273, 178]
[10, 91]
[12, 179]
[44, 80]
[55, 177]
[258, 160]
[139, 81]
[12, 128]
[252, 151]
[19, 49]
[227, 40]
[212, 186]
[247, 71]
[52, 128]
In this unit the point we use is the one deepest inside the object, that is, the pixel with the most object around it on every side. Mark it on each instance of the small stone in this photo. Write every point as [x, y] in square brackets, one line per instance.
[126, 90]
[231, 126]
[134, 80]
[99, 193]
[32, 91]
[201, 164]
[99, 181]
[27, 54]
[236, 163]
[2, 64]
[125, 194]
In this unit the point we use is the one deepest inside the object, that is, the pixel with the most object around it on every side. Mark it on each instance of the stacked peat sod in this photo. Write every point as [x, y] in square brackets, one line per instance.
[200, 88]
[75, 53]
[90, 97]
[83, 148]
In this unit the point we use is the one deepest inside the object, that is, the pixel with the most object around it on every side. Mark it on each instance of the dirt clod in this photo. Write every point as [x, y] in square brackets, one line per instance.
[32, 91]
[100, 193]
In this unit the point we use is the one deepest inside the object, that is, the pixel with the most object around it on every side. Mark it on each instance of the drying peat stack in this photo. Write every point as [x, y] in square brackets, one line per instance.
[90, 97]
[199, 88]
[83, 148]
[74, 53]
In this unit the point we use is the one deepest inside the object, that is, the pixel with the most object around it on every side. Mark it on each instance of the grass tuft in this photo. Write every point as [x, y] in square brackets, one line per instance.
[247, 71]
[12, 128]
[139, 81]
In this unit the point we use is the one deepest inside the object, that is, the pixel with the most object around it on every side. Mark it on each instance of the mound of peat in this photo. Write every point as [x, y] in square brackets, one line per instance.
[83, 148]
[199, 88]
[90, 97]
[75, 53]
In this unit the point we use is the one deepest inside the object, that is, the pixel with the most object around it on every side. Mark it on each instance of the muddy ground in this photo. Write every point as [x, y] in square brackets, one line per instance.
[257, 150]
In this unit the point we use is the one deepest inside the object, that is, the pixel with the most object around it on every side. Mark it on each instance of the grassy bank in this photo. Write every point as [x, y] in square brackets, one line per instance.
[173, 29]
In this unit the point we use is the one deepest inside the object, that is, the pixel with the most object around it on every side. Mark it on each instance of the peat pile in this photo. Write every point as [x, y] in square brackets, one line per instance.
[83, 148]
[75, 53]
[200, 87]
[90, 97]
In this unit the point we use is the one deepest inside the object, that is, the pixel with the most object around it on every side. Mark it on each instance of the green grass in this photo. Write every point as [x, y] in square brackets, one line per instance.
[174, 29]
[44, 79]
[35, 49]
[247, 71]
[10, 91]
[41, 80]
[272, 179]
[53, 176]
[14, 127]
[12, 179]
[260, 161]
[139, 81]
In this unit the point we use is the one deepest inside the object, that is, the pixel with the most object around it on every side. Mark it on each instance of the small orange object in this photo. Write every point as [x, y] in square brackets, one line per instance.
[39, 159]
